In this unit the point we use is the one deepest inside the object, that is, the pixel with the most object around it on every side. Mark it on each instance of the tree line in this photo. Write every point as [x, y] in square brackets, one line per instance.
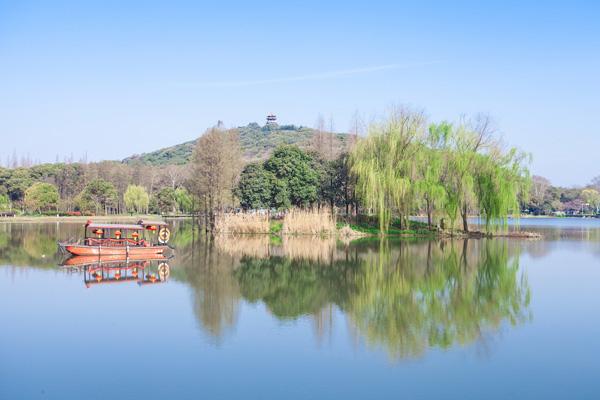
[404, 165]
[95, 188]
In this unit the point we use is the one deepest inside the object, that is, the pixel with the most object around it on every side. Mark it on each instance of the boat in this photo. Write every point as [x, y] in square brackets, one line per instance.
[103, 239]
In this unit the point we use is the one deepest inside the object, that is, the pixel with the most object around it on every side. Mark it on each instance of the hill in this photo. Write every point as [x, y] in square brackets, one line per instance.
[257, 142]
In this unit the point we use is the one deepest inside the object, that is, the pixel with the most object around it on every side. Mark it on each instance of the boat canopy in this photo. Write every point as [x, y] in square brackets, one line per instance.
[92, 225]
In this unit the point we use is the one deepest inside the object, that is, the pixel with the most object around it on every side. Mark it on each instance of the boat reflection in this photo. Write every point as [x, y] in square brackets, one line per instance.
[103, 270]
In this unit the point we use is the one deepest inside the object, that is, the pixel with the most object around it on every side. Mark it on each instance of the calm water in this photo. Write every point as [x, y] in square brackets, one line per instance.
[260, 317]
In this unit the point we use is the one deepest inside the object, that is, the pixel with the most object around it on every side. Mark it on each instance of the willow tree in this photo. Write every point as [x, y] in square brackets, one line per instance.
[431, 163]
[136, 199]
[384, 166]
[502, 182]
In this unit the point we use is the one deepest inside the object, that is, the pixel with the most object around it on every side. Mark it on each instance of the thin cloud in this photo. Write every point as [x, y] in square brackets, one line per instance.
[317, 76]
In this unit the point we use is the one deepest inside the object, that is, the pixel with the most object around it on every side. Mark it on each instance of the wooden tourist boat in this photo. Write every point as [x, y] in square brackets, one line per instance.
[101, 239]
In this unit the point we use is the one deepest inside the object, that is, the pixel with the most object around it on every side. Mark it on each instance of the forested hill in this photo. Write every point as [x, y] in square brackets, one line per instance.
[257, 142]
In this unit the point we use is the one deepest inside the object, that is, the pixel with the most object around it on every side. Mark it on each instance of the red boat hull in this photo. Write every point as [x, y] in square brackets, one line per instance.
[83, 250]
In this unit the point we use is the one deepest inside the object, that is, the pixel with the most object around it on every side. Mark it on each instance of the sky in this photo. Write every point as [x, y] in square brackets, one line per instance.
[108, 79]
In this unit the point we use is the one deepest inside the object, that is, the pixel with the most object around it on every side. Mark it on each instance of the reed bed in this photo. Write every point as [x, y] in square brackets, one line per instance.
[319, 222]
[242, 223]
[256, 246]
[311, 248]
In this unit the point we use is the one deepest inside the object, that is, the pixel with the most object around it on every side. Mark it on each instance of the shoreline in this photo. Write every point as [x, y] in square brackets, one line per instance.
[355, 234]
[101, 218]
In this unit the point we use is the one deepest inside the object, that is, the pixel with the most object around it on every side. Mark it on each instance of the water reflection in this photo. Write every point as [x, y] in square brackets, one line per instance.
[402, 296]
[105, 270]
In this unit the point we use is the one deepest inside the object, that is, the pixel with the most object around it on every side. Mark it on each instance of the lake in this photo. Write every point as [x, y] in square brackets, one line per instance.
[304, 318]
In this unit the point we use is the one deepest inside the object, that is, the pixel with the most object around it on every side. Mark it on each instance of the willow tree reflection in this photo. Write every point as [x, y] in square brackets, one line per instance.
[453, 294]
[404, 297]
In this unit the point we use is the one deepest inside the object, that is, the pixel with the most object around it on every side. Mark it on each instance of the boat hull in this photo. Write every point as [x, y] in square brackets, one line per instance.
[83, 250]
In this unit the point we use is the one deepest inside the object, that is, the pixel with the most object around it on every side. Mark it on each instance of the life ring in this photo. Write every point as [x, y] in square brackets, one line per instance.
[164, 235]
[163, 271]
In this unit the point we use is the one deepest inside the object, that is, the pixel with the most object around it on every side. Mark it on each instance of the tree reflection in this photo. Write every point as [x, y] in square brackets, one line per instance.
[210, 274]
[464, 289]
[291, 288]
[404, 297]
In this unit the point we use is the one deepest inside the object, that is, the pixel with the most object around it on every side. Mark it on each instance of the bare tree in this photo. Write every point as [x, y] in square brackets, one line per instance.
[357, 128]
[318, 139]
[595, 183]
[214, 169]
[539, 187]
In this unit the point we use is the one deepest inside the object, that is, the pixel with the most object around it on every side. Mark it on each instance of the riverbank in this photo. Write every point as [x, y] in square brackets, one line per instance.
[420, 229]
[81, 219]
[350, 230]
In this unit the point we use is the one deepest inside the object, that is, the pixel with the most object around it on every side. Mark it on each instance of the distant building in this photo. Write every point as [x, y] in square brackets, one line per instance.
[271, 119]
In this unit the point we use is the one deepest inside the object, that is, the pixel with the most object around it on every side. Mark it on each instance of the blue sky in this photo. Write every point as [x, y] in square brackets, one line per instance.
[107, 79]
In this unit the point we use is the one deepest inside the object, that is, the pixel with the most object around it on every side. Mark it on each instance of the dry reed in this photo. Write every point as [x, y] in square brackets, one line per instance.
[309, 222]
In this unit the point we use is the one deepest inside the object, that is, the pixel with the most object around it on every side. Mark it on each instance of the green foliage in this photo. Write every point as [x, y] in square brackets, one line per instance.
[276, 227]
[298, 179]
[41, 197]
[499, 182]
[136, 199]
[4, 202]
[97, 196]
[290, 176]
[17, 181]
[337, 183]
[184, 201]
[591, 197]
[166, 201]
[255, 187]
[383, 164]
[446, 171]
[257, 143]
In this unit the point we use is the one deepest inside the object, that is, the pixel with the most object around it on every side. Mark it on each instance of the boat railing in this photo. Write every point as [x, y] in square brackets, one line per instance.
[115, 242]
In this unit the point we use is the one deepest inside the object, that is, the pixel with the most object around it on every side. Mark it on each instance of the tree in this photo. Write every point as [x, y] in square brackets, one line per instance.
[255, 187]
[4, 202]
[17, 181]
[502, 180]
[136, 199]
[337, 183]
[591, 197]
[297, 176]
[538, 194]
[183, 200]
[98, 195]
[214, 170]
[431, 165]
[166, 201]
[383, 164]
[41, 197]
